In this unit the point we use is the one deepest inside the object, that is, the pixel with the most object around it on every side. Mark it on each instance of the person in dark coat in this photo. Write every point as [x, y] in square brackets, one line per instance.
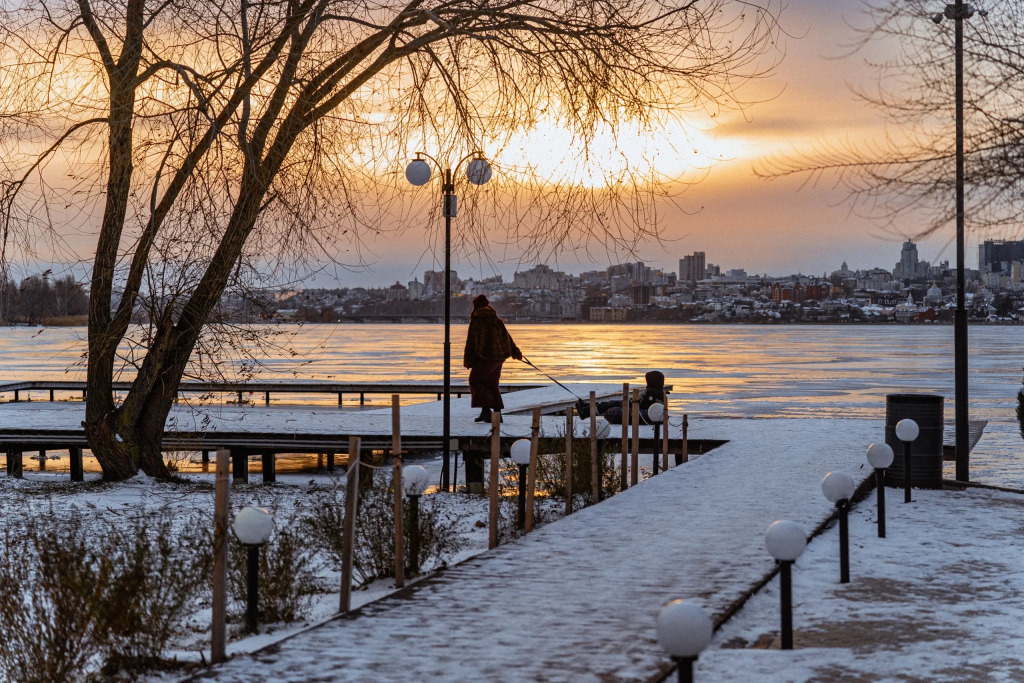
[488, 344]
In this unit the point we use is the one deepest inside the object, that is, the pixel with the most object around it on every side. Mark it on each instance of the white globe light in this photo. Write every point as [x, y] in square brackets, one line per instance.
[656, 412]
[253, 525]
[786, 540]
[417, 172]
[907, 430]
[837, 486]
[520, 452]
[880, 455]
[414, 480]
[684, 630]
[603, 428]
[478, 171]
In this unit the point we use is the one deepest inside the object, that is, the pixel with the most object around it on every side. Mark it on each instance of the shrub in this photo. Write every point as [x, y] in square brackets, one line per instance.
[159, 569]
[53, 579]
[374, 553]
[551, 471]
[73, 594]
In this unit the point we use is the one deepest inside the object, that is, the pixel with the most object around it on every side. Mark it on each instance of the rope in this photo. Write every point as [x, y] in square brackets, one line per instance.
[527, 361]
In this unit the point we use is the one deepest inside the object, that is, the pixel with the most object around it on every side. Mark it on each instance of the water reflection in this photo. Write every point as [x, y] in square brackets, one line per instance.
[726, 370]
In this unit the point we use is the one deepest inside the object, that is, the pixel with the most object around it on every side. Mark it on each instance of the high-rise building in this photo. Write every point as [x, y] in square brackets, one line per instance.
[906, 269]
[691, 268]
[995, 256]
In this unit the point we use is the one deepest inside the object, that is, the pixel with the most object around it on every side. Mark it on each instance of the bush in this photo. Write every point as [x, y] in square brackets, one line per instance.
[73, 594]
[551, 471]
[157, 573]
[374, 553]
[53, 580]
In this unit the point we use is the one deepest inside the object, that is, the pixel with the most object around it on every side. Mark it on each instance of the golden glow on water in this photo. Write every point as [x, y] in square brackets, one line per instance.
[724, 370]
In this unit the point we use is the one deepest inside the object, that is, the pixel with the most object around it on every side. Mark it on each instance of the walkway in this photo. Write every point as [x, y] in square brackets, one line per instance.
[576, 600]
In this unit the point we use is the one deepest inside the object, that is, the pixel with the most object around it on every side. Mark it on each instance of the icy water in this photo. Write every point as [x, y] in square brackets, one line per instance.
[716, 370]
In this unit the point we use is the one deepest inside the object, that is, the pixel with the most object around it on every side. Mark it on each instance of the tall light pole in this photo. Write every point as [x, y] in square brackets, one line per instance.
[478, 172]
[959, 11]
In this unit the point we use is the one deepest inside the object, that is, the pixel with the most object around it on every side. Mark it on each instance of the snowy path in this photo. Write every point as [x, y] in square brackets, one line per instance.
[576, 600]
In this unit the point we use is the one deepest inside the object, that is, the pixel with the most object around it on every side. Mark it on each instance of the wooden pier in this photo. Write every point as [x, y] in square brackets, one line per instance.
[266, 432]
[24, 390]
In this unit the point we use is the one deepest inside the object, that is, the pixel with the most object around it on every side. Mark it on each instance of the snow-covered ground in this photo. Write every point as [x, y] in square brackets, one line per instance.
[576, 599]
[938, 599]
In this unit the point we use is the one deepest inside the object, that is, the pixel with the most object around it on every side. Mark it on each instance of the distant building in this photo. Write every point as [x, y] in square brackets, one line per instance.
[397, 292]
[906, 269]
[433, 282]
[604, 314]
[541, 277]
[691, 268]
[995, 256]
[640, 293]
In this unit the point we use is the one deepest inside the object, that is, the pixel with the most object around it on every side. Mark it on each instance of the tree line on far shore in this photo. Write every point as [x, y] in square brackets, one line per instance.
[43, 299]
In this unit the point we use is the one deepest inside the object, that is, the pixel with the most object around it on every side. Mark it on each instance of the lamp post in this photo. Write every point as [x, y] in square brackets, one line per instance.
[958, 11]
[520, 452]
[253, 527]
[414, 483]
[838, 489]
[656, 412]
[684, 630]
[880, 456]
[786, 541]
[478, 171]
[906, 431]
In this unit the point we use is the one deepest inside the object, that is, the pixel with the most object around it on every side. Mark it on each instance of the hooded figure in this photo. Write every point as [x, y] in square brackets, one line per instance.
[488, 344]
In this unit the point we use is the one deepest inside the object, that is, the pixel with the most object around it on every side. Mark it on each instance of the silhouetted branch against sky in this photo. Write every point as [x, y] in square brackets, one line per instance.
[225, 136]
[911, 171]
[327, 101]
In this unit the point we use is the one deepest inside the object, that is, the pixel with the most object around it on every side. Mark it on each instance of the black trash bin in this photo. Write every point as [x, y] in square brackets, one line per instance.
[926, 450]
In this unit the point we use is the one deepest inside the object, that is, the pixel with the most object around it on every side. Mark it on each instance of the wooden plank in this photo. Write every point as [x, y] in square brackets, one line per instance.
[396, 484]
[634, 475]
[349, 530]
[568, 460]
[624, 466]
[595, 462]
[531, 474]
[492, 523]
[218, 633]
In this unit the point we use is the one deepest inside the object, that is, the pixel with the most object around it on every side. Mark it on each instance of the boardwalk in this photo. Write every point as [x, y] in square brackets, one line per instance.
[576, 600]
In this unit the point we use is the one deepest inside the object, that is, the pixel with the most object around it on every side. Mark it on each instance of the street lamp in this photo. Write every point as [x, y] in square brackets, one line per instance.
[906, 431]
[684, 630]
[478, 171]
[656, 411]
[786, 541]
[838, 489]
[958, 11]
[253, 527]
[520, 452]
[880, 456]
[414, 483]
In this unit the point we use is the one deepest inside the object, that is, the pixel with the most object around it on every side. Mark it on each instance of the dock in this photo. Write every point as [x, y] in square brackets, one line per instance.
[269, 431]
[25, 390]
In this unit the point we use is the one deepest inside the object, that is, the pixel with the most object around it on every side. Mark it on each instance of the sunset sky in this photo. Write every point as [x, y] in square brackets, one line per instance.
[737, 219]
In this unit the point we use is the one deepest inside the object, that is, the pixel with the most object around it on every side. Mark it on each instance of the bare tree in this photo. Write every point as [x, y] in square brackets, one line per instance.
[908, 178]
[218, 139]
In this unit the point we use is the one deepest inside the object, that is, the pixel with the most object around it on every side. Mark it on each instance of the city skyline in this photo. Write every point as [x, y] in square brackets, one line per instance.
[737, 218]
